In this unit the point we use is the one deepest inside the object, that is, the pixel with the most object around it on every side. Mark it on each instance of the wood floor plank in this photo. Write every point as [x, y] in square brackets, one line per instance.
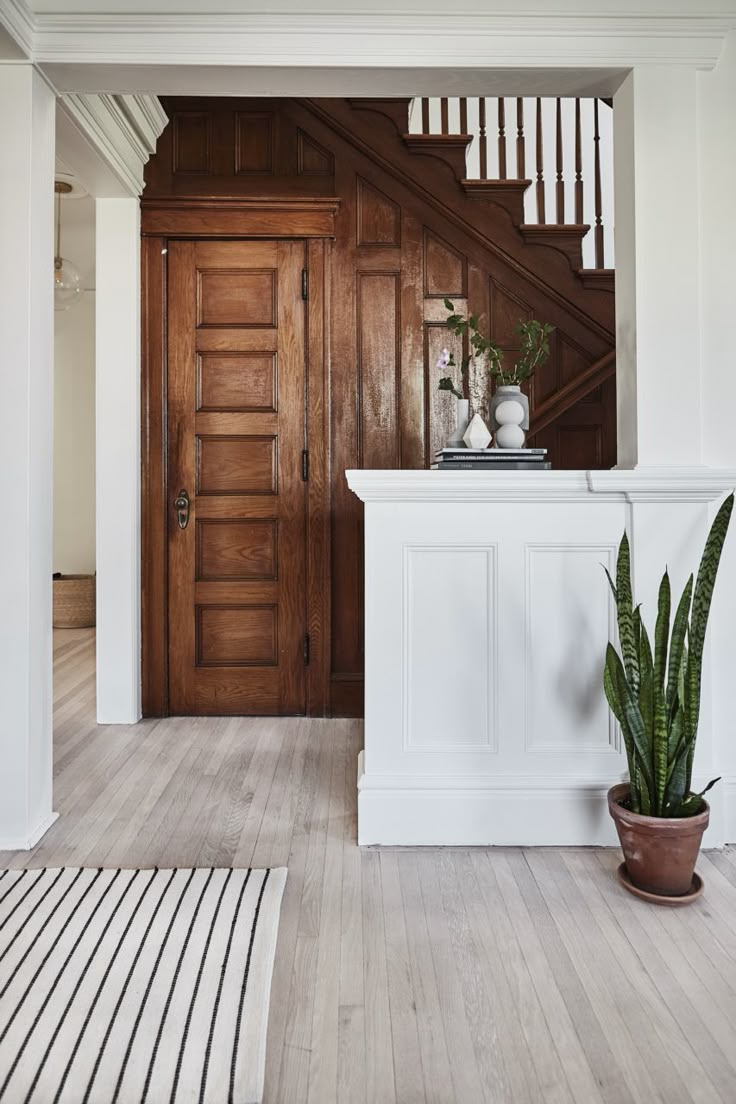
[446, 976]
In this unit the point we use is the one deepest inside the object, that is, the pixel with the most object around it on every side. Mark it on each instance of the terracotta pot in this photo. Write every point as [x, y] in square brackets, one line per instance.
[660, 852]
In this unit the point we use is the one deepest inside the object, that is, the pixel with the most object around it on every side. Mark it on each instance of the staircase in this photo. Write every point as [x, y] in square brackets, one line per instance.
[552, 229]
[559, 206]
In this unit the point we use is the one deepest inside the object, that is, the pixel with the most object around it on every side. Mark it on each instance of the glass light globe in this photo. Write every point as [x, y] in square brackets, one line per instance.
[67, 284]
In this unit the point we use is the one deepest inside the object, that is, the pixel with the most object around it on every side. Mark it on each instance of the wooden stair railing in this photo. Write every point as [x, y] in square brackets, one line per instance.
[559, 403]
[509, 192]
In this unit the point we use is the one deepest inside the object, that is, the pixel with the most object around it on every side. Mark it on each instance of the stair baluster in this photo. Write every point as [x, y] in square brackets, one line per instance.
[578, 166]
[541, 216]
[482, 139]
[560, 185]
[599, 246]
[463, 115]
[501, 138]
[520, 142]
[444, 116]
[425, 115]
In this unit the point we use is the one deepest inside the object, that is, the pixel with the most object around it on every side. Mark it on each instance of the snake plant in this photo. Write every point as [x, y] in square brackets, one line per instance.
[655, 694]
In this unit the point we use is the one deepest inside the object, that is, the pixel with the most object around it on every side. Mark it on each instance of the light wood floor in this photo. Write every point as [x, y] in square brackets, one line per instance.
[439, 975]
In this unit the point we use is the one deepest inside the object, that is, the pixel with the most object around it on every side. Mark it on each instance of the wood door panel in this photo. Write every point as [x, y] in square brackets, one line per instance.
[237, 465]
[231, 297]
[229, 549]
[237, 636]
[237, 595]
[245, 381]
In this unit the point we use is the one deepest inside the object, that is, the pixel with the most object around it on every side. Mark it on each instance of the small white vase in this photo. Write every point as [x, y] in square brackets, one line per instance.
[477, 435]
[509, 415]
[462, 416]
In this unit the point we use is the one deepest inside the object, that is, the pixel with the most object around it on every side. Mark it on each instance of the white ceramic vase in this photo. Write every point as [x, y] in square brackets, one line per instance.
[462, 416]
[477, 435]
[509, 416]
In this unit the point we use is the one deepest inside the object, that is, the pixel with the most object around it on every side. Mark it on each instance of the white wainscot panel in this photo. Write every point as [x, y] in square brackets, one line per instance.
[569, 616]
[449, 644]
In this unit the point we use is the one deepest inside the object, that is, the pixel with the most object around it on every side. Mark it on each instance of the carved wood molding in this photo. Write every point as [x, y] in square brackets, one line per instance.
[562, 400]
[240, 217]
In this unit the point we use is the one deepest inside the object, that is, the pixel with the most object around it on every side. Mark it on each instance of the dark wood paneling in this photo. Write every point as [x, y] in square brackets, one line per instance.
[445, 269]
[405, 236]
[379, 218]
[192, 138]
[379, 322]
[254, 142]
[312, 158]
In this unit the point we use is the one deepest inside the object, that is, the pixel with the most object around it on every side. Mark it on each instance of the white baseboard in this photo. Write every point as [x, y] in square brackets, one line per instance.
[510, 811]
[28, 842]
[729, 808]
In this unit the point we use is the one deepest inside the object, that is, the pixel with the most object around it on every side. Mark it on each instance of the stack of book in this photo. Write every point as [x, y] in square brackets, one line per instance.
[491, 459]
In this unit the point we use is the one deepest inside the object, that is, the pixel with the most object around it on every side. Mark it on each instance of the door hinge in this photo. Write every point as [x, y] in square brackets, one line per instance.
[305, 464]
[306, 649]
[305, 284]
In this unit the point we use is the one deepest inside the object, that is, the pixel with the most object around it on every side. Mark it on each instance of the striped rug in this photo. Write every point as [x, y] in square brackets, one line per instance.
[127, 986]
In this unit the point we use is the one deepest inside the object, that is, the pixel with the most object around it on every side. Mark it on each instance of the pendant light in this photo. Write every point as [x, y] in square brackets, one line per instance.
[67, 284]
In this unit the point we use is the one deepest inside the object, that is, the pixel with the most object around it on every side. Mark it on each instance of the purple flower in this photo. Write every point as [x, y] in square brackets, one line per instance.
[444, 360]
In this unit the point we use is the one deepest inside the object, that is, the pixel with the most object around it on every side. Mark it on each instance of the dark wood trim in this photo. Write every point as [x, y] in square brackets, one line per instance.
[598, 279]
[154, 505]
[566, 238]
[255, 217]
[318, 505]
[346, 695]
[154, 622]
[554, 407]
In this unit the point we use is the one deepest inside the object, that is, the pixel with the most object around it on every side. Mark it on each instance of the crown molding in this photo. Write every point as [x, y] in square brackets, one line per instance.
[20, 23]
[120, 130]
[373, 38]
[636, 485]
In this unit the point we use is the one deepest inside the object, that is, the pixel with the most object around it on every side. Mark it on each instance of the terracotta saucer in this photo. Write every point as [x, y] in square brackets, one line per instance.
[696, 889]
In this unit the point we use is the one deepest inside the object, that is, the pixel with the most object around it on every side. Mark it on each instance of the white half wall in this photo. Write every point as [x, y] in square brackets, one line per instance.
[118, 343]
[26, 429]
[487, 619]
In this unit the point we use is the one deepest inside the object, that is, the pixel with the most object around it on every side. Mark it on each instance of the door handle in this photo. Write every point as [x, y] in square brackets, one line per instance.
[181, 505]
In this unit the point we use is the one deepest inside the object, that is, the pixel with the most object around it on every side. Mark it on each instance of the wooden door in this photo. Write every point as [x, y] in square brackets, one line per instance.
[236, 401]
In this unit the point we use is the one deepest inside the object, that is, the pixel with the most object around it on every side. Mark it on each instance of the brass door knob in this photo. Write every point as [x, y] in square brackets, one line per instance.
[181, 505]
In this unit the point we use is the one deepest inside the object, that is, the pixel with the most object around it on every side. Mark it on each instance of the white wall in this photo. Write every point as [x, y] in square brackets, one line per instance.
[717, 184]
[26, 431]
[74, 400]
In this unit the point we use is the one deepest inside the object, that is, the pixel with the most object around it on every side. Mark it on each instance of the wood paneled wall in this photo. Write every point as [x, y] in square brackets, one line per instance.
[395, 257]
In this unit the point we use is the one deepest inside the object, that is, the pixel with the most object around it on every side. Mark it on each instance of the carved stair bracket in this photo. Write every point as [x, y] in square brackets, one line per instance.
[508, 194]
[567, 239]
[598, 279]
[396, 109]
[449, 148]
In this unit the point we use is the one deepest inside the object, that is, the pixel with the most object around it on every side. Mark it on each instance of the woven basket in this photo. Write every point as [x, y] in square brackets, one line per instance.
[74, 601]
